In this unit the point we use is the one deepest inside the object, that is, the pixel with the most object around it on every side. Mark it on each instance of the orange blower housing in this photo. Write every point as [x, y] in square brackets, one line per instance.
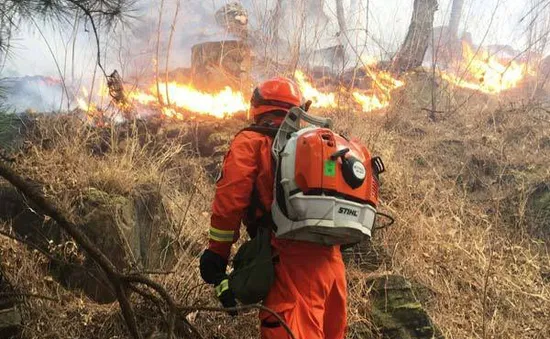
[326, 186]
[320, 169]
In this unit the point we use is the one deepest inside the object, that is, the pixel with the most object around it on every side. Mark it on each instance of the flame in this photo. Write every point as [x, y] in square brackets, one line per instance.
[176, 99]
[376, 98]
[182, 97]
[486, 73]
[83, 101]
[218, 104]
[379, 95]
[311, 93]
[171, 113]
[94, 115]
[141, 97]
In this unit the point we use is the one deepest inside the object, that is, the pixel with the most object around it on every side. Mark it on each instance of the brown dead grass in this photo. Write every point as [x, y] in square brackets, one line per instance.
[450, 184]
[457, 188]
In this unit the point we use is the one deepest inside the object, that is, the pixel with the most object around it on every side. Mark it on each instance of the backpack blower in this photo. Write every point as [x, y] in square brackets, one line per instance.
[326, 186]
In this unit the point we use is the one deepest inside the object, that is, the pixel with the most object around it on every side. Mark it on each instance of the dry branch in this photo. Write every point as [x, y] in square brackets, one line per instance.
[31, 191]
[121, 282]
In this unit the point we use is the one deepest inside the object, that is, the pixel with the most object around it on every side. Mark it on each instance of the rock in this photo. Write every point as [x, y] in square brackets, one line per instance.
[12, 130]
[396, 310]
[26, 220]
[10, 317]
[538, 209]
[10, 322]
[127, 229]
[109, 222]
[153, 248]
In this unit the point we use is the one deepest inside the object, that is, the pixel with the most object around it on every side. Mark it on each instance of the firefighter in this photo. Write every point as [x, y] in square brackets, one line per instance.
[309, 291]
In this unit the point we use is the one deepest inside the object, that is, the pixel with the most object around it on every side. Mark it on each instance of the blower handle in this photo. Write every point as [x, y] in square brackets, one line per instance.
[292, 123]
[296, 114]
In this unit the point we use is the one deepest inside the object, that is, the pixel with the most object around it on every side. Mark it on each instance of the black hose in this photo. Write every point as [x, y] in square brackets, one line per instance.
[387, 216]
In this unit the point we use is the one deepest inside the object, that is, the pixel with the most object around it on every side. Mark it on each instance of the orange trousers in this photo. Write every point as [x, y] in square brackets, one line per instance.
[309, 293]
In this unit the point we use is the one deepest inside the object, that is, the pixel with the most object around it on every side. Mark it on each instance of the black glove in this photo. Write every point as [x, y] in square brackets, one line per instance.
[212, 267]
[226, 297]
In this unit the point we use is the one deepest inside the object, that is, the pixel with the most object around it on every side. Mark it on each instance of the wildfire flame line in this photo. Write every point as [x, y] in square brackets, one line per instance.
[318, 98]
[184, 97]
[486, 73]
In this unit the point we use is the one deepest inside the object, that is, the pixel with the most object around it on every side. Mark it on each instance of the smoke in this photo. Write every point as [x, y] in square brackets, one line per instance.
[307, 34]
[37, 93]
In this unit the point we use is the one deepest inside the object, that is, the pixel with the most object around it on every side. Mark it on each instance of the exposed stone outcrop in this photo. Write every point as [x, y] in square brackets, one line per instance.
[396, 310]
[128, 229]
[10, 317]
[12, 129]
[538, 205]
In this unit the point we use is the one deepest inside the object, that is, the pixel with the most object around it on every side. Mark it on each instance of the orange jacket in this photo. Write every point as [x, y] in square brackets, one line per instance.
[247, 164]
[309, 292]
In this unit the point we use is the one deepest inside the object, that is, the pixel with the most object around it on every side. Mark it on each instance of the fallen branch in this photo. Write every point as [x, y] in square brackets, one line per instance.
[121, 282]
[50, 209]
[240, 309]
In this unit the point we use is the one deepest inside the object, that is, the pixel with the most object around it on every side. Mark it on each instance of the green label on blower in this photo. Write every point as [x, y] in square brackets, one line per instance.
[330, 168]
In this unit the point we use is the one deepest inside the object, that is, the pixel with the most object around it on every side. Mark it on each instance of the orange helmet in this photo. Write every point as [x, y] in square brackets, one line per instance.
[275, 94]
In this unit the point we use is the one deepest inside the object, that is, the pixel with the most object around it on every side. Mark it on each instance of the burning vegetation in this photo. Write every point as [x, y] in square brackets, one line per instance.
[477, 71]
[467, 183]
[177, 98]
[480, 71]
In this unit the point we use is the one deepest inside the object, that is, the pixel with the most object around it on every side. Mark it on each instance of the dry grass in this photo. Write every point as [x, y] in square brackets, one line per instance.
[458, 188]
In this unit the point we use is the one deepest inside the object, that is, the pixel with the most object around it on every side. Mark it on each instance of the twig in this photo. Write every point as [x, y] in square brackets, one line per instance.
[170, 38]
[485, 285]
[432, 111]
[431, 114]
[147, 295]
[240, 308]
[88, 13]
[66, 92]
[35, 247]
[154, 272]
[161, 9]
[192, 289]
[164, 295]
[28, 295]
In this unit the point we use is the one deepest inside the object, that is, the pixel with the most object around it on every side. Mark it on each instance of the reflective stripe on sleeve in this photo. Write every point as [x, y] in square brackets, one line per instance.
[221, 235]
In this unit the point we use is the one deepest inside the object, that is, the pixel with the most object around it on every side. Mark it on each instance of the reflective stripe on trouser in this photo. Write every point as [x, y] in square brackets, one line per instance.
[310, 295]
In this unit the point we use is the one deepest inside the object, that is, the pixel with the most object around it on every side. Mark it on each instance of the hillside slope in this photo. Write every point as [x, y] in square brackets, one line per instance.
[470, 192]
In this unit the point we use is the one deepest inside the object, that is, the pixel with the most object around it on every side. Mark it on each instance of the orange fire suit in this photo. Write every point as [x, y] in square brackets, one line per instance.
[310, 286]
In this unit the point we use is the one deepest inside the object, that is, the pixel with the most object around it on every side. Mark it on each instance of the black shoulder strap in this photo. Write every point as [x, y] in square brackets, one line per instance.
[255, 202]
[265, 130]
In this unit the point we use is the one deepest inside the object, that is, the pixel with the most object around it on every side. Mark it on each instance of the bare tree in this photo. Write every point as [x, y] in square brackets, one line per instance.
[275, 20]
[340, 16]
[418, 38]
[456, 14]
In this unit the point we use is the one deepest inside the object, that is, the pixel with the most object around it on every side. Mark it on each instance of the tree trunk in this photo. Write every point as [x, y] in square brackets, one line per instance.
[340, 15]
[456, 14]
[275, 21]
[418, 38]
